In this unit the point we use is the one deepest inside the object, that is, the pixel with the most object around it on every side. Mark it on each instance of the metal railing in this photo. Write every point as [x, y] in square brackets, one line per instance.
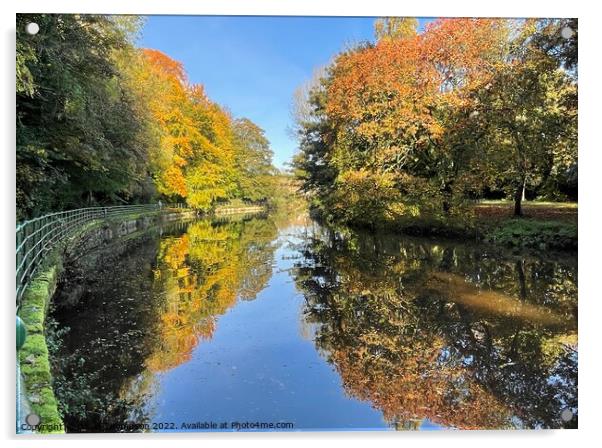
[38, 236]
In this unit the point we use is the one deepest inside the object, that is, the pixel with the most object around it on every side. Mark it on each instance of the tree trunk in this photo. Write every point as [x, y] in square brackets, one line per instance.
[518, 199]
[524, 191]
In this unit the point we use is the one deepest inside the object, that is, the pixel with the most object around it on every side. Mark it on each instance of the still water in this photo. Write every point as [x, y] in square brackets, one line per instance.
[282, 324]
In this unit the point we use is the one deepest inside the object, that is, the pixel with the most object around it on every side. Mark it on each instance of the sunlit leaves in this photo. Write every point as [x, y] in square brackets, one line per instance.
[395, 27]
[465, 105]
[205, 156]
[100, 121]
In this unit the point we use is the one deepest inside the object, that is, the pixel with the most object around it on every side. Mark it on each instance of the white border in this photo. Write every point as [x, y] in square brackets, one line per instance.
[590, 150]
[507, 8]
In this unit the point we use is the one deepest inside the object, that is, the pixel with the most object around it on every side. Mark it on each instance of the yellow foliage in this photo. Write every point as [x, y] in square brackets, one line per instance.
[200, 275]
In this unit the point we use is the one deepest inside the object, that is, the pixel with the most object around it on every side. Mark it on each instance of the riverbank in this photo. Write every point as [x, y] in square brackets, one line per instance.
[543, 226]
[238, 206]
[33, 357]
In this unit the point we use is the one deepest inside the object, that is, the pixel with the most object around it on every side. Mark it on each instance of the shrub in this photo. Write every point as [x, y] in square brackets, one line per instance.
[535, 234]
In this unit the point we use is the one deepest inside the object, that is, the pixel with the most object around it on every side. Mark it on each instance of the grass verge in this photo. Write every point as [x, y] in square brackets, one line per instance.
[544, 226]
[531, 233]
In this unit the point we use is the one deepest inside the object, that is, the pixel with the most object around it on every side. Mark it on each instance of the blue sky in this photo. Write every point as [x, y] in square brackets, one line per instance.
[252, 65]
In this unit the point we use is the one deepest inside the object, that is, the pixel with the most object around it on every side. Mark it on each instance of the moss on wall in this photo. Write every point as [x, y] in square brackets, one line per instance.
[33, 356]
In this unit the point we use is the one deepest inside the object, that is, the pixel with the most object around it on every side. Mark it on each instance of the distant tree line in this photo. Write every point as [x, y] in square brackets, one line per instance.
[100, 121]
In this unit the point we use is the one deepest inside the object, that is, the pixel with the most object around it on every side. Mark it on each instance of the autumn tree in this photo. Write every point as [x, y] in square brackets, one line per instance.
[202, 154]
[212, 174]
[383, 117]
[100, 122]
[253, 161]
[168, 104]
[395, 27]
[408, 129]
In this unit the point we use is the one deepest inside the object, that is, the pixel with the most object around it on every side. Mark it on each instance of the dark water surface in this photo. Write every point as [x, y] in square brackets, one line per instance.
[225, 325]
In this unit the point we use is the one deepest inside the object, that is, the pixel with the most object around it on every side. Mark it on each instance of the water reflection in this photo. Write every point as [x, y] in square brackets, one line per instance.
[202, 273]
[139, 307]
[462, 336]
[428, 333]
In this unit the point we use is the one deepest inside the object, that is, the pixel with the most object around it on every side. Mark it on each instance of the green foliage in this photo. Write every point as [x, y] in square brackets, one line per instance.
[535, 234]
[253, 161]
[77, 129]
[365, 198]
[25, 56]
[525, 123]
[101, 122]
[208, 183]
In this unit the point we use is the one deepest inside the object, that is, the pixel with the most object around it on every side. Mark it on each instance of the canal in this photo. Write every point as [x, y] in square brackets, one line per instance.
[275, 323]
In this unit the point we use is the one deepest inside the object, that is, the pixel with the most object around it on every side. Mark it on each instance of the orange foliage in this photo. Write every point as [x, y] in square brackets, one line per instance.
[415, 387]
[171, 68]
[194, 133]
[389, 92]
[167, 80]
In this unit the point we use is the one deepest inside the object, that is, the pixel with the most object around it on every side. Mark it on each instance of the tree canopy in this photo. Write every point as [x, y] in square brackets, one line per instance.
[100, 121]
[415, 125]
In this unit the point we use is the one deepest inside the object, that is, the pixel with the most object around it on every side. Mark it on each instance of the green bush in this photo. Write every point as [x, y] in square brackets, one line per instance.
[535, 234]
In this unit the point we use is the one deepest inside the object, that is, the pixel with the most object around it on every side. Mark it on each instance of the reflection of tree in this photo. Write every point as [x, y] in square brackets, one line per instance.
[141, 306]
[105, 306]
[200, 275]
[463, 337]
